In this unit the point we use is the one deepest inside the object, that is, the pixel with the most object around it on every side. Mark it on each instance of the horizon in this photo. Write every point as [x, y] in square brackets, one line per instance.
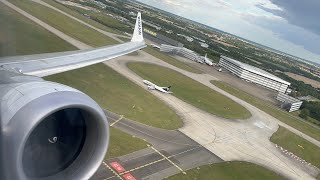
[253, 18]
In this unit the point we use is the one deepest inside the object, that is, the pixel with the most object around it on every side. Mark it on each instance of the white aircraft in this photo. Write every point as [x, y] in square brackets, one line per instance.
[207, 61]
[155, 87]
[41, 119]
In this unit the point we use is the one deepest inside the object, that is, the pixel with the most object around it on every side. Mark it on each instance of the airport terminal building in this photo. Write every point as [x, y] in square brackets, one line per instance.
[254, 74]
[181, 51]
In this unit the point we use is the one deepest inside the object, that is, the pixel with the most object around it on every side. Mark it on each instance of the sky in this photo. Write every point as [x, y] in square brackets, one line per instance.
[291, 26]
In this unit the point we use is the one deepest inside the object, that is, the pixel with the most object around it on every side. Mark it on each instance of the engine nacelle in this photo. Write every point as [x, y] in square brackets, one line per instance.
[50, 131]
[151, 87]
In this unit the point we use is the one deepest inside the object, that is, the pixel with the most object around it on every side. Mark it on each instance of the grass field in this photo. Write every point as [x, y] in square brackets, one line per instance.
[191, 91]
[228, 171]
[76, 12]
[290, 141]
[124, 39]
[104, 19]
[29, 38]
[166, 58]
[118, 94]
[65, 24]
[313, 83]
[273, 111]
[20, 36]
[122, 143]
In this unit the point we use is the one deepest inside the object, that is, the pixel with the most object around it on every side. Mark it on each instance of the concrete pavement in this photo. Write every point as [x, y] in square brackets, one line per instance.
[242, 140]
[169, 152]
[229, 139]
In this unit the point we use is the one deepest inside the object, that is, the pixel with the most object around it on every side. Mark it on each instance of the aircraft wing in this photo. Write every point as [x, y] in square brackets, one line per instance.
[52, 63]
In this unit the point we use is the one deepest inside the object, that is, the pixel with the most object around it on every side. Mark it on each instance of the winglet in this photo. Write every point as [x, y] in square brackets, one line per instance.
[137, 33]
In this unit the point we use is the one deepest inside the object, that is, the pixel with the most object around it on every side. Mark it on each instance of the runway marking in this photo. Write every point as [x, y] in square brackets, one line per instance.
[140, 167]
[167, 159]
[159, 160]
[121, 117]
[115, 173]
[117, 167]
[129, 177]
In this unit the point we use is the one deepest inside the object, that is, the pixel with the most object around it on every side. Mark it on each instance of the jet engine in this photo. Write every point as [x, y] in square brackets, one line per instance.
[151, 87]
[49, 131]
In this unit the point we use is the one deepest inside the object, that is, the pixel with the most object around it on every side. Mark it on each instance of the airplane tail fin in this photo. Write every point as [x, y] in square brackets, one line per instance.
[167, 88]
[137, 33]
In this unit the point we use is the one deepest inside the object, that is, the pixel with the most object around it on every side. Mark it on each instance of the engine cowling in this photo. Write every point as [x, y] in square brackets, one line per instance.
[50, 131]
[151, 87]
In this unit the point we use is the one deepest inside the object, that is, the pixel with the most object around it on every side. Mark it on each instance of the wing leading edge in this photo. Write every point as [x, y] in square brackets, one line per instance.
[47, 64]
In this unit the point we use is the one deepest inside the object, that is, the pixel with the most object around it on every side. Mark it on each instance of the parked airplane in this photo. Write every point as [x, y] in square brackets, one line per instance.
[207, 61]
[155, 46]
[49, 130]
[155, 87]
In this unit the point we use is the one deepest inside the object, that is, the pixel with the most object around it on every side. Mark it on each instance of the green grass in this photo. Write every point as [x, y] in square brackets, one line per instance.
[124, 39]
[273, 111]
[20, 36]
[166, 58]
[77, 12]
[309, 119]
[118, 94]
[229, 171]
[65, 24]
[191, 91]
[104, 19]
[290, 141]
[122, 143]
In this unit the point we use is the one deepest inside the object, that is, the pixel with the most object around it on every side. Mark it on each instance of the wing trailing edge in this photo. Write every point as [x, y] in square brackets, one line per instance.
[52, 63]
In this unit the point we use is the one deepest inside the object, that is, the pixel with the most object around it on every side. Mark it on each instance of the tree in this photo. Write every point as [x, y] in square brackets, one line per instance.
[304, 113]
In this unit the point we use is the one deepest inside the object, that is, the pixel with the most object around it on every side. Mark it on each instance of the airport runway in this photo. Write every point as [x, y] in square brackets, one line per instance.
[246, 140]
[169, 152]
[241, 140]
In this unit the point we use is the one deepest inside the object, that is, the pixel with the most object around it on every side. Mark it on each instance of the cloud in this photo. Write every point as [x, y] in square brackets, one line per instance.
[304, 14]
[269, 22]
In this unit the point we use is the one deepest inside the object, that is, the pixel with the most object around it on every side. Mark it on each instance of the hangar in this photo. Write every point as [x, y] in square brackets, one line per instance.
[254, 74]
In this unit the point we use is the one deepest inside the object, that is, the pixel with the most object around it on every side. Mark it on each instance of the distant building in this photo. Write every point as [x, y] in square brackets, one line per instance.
[254, 74]
[181, 51]
[132, 13]
[190, 39]
[157, 27]
[159, 38]
[203, 45]
[289, 103]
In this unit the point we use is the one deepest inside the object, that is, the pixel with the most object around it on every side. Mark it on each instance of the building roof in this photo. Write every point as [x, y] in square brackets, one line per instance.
[256, 70]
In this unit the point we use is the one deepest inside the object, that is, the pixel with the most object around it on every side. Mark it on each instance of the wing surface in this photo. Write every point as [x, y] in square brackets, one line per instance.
[52, 63]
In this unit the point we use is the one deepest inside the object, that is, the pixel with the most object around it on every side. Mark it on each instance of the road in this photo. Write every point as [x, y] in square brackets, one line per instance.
[170, 152]
[246, 140]
[72, 41]
[111, 35]
[242, 140]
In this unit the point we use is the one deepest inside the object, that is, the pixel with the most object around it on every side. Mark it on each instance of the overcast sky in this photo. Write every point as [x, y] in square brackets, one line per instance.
[291, 26]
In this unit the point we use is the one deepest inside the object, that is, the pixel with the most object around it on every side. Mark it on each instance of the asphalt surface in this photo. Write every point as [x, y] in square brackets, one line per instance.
[246, 140]
[241, 140]
[169, 152]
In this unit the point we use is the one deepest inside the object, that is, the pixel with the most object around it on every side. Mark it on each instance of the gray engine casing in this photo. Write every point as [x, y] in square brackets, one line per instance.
[28, 105]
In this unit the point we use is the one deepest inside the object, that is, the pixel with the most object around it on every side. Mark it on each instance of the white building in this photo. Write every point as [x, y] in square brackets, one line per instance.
[254, 74]
[181, 51]
[289, 103]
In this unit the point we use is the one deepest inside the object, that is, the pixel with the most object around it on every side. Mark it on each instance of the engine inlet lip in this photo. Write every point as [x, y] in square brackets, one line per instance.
[20, 131]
